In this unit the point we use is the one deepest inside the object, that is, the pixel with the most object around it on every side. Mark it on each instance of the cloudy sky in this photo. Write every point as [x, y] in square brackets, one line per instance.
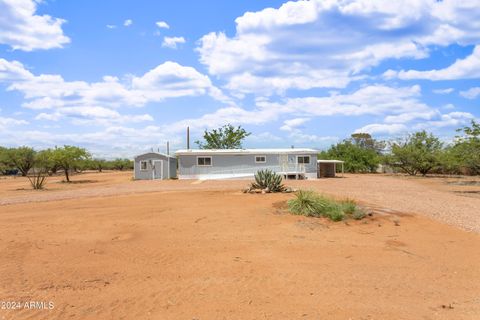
[121, 77]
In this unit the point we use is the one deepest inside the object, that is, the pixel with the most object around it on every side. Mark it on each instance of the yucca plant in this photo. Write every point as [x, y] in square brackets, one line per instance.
[269, 181]
[305, 203]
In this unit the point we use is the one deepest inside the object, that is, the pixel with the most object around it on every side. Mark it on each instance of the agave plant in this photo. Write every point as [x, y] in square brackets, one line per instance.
[269, 181]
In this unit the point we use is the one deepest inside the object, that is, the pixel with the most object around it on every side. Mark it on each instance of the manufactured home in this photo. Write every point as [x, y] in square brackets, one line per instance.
[154, 165]
[243, 163]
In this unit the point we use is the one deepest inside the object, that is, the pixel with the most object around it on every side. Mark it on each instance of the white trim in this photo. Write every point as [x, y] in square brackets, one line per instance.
[303, 156]
[204, 165]
[146, 167]
[264, 156]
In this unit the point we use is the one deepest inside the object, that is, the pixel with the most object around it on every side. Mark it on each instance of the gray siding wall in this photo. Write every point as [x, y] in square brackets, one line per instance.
[226, 164]
[148, 174]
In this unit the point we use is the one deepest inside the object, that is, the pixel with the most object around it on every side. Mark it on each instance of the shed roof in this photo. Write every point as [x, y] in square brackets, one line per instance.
[154, 153]
[329, 161]
[246, 151]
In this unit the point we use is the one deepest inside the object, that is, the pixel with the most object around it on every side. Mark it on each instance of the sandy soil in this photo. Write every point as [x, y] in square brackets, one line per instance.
[185, 250]
[443, 199]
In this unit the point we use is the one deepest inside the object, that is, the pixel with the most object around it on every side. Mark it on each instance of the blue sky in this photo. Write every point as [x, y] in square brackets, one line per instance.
[121, 77]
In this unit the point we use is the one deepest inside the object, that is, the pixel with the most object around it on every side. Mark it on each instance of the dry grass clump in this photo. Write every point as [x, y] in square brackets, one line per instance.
[311, 204]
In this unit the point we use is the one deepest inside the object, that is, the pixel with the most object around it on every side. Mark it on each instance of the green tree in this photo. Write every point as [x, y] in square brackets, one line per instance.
[226, 137]
[67, 157]
[99, 164]
[4, 163]
[420, 152]
[360, 152]
[466, 150]
[122, 164]
[21, 158]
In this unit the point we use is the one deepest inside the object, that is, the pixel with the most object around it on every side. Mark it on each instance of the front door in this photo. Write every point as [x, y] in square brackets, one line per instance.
[158, 169]
[283, 159]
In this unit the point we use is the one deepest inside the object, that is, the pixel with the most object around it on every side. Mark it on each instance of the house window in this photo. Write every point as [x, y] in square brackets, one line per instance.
[143, 165]
[303, 159]
[204, 161]
[260, 159]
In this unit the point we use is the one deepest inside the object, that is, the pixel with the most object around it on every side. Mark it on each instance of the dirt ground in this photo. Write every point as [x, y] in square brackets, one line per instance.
[112, 248]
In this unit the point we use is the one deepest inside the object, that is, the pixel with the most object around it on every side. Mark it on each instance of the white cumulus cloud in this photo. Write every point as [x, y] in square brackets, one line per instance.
[471, 93]
[292, 124]
[467, 68]
[162, 25]
[172, 42]
[22, 29]
[443, 91]
[317, 43]
[382, 129]
[96, 100]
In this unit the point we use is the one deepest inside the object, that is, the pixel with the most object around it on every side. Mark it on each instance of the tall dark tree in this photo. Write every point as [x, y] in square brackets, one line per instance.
[226, 137]
[366, 141]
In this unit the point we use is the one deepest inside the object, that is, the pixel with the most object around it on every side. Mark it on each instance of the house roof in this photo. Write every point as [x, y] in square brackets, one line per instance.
[246, 151]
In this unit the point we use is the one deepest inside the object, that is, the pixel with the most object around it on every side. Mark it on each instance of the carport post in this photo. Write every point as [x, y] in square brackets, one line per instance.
[342, 169]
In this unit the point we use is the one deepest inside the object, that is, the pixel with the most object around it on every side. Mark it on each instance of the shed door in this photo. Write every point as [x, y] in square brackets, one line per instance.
[158, 169]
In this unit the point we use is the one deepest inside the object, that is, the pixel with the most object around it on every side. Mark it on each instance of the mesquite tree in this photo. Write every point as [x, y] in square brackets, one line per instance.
[226, 137]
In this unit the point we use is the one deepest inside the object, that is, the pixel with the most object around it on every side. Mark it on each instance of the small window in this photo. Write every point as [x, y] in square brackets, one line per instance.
[143, 165]
[260, 159]
[303, 159]
[204, 161]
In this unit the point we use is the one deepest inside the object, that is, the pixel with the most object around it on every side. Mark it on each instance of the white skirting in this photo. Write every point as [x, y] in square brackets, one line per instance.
[309, 176]
[216, 176]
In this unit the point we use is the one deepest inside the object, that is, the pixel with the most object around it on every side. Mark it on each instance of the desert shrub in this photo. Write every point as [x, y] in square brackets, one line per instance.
[349, 206]
[359, 214]
[311, 204]
[268, 180]
[37, 176]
